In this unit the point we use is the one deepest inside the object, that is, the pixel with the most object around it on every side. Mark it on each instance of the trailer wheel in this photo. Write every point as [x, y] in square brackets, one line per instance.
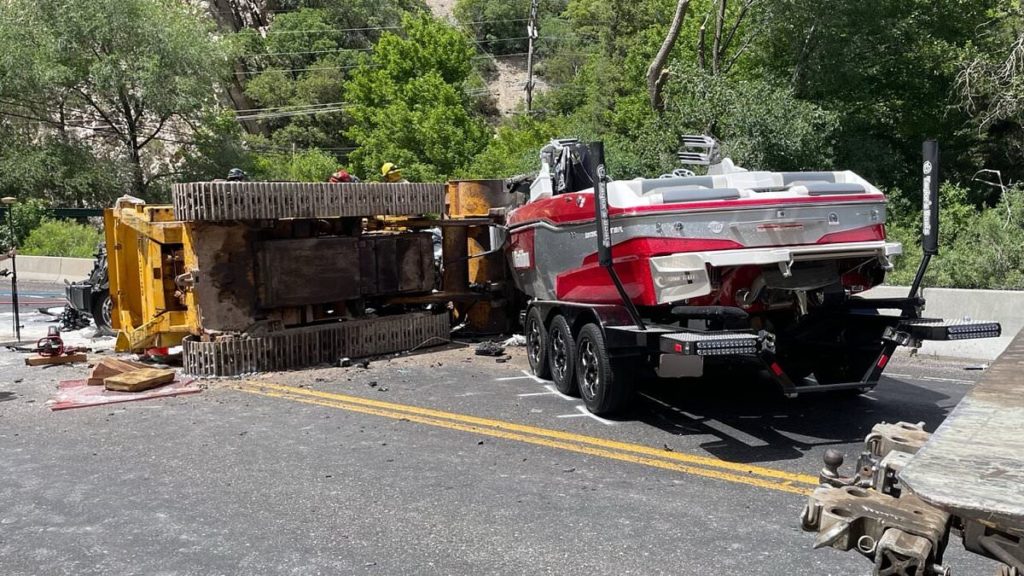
[605, 386]
[537, 344]
[562, 356]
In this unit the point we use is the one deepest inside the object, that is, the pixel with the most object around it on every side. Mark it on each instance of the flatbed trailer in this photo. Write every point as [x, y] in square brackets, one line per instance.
[911, 491]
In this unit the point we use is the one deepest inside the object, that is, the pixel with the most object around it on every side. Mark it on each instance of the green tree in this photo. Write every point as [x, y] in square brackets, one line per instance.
[500, 25]
[63, 172]
[296, 74]
[990, 90]
[131, 73]
[218, 145]
[515, 149]
[408, 105]
[886, 68]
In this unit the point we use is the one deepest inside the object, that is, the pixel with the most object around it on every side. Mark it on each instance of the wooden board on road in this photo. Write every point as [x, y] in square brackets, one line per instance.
[51, 360]
[108, 367]
[138, 380]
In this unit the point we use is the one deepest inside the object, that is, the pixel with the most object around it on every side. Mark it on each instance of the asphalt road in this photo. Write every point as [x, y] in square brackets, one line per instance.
[441, 463]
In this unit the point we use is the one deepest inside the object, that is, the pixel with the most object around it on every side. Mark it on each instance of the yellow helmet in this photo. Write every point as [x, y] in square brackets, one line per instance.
[391, 172]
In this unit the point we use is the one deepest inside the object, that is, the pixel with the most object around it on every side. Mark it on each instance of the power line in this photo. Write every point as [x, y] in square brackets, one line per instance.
[310, 69]
[332, 30]
[297, 106]
[290, 114]
[333, 51]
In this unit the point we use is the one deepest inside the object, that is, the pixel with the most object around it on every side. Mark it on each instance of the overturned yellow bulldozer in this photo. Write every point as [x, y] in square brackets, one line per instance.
[258, 276]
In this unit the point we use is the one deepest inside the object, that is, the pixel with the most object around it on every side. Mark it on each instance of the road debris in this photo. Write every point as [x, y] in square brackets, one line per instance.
[53, 360]
[515, 341]
[490, 349]
[78, 394]
[139, 380]
[110, 366]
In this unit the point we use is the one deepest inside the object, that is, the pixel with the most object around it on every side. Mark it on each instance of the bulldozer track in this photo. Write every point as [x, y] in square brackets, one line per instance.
[309, 346]
[225, 201]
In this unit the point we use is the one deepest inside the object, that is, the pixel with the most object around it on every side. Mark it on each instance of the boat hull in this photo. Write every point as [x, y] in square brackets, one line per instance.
[553, 245]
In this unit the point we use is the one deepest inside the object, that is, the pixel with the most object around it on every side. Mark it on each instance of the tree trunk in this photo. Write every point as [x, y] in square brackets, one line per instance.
[656, 73]
[716, 51]
[233, 16]
[138, 177]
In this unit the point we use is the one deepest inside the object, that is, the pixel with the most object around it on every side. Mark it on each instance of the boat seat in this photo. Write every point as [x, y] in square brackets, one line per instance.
[797, 178]
[676, 195]
[650, 186]
[823, 189]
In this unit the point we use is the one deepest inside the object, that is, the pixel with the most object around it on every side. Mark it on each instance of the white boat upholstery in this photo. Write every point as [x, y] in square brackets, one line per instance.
[734, 186]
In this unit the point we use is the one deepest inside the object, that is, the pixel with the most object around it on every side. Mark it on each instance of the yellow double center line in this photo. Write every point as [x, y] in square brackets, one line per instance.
[592, 446]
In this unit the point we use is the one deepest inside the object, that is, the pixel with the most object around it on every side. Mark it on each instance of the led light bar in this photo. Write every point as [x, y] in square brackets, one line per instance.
[711, 344]
[929, 329]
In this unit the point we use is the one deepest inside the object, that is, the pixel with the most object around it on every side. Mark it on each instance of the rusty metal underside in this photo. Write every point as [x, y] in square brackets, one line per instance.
[281, 275]
[911, 489]
[302, 347]
[225, 201]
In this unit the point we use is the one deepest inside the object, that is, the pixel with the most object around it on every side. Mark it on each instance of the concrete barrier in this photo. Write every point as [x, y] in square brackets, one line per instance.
[1004, 306]
[50, 268]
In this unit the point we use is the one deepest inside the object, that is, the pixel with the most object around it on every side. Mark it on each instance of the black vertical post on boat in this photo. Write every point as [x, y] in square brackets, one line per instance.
[929, 211]
[599, 176]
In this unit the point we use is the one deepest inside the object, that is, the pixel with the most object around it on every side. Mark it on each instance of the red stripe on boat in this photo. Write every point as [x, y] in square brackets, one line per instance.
[865, 234]
[578, 207]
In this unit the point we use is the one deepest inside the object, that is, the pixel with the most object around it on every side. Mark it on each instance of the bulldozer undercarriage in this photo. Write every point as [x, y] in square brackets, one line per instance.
[258, 276]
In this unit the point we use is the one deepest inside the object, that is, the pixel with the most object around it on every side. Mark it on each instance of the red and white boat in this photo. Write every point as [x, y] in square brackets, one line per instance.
[755, 240]
[664, 273]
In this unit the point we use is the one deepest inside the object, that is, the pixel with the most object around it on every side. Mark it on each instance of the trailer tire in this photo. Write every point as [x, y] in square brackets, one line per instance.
[562, 356]
[537, 344]
[605, 385]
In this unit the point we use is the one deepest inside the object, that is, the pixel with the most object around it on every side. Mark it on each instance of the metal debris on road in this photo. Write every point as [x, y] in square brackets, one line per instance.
[490, 349]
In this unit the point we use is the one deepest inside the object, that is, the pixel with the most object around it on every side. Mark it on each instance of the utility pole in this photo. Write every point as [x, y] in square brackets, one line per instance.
[531, 33]
[9, 202]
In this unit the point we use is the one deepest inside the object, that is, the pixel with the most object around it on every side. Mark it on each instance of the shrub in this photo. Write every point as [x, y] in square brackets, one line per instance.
[312, 165]
[62, 238]
[979, 248]
[27, 216]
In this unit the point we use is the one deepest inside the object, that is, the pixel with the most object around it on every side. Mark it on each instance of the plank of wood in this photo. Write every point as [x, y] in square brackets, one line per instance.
[108, 367]
[51, 360]
[136, 380]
